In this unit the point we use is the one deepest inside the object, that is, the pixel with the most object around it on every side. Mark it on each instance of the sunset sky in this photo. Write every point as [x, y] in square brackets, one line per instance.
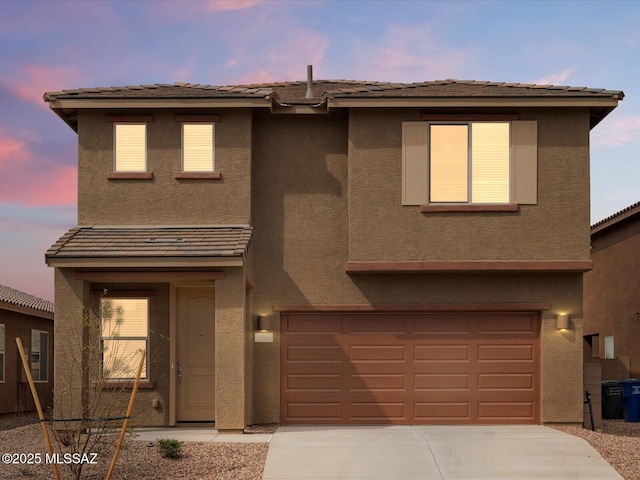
[53, 45]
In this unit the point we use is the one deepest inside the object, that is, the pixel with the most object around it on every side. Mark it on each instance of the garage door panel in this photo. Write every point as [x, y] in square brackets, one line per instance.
[314, 354]
[380, 412]
[378, 324]
[441, 325]
[505, 381]
[437, 369]
[430, 412]
[523, 411]
[445, 353]
[505, 353]
[425, 382]
[377, 353]
[307, 382]
[378, 382]
[313, 324]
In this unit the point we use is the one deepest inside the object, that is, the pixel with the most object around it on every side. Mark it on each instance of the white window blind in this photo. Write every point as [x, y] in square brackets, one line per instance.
[130, 147]
[198, 147]
[490, 176]
[449, 162]
[39, 355]
[125, 329]
[1, 353]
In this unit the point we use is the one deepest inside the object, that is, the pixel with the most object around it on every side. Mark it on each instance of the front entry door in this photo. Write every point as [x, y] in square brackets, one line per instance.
[196, 356]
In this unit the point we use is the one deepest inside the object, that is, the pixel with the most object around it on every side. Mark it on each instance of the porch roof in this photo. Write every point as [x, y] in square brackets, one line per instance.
[157, 242]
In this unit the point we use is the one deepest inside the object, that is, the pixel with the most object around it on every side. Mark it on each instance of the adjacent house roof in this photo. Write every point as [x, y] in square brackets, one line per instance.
[289, 97]
[616, 218]
[20, 299]
[125, 242]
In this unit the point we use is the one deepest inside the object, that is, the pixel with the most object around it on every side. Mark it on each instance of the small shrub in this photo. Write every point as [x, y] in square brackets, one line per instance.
[170, 448]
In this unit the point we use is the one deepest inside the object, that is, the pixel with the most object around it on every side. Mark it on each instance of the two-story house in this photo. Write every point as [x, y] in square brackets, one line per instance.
[334, 252]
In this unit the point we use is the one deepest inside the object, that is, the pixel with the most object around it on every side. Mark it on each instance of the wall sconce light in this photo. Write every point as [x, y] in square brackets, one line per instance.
[563, 321]
[263, 333]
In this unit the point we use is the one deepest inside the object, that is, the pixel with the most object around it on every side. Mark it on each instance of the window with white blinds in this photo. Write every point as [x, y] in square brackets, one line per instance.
[469, 163]
[198, 147]
[124, 335]
[130, 147]
[39, 355]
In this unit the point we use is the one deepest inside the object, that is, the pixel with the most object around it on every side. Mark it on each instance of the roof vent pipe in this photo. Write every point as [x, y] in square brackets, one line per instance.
[309, 82]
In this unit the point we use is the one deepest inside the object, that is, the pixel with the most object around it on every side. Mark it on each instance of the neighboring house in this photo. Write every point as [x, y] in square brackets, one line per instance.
[30, 318]
[405, 249]
[611, 301]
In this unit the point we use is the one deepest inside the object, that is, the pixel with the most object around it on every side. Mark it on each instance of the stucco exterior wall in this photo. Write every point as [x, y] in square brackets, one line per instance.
[381, 228]
[610, 290]
[15, 395]
[164, 200]
[321, 198]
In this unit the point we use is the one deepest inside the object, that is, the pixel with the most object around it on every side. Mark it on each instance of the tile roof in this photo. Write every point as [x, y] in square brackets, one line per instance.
[126, 241]
[21, 299]
[335, 89]
[627, 212]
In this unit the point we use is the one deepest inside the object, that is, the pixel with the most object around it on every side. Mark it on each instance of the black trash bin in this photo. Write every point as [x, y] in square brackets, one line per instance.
[611, 400]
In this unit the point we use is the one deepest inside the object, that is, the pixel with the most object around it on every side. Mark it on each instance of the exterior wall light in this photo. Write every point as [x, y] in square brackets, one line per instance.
[563, 321]
[263, 333]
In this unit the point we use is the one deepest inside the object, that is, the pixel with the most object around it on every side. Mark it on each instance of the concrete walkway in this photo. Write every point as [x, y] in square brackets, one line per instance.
[432, 452]
[197, 433]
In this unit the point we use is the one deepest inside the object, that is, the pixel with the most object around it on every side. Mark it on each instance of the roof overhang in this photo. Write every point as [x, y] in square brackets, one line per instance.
[144, 262]
[25, 310]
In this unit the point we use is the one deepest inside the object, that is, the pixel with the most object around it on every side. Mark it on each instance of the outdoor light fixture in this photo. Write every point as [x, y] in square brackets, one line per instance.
[562, 321]
[263, 333]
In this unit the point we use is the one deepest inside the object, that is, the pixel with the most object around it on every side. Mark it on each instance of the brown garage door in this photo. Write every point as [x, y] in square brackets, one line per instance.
[410, 368]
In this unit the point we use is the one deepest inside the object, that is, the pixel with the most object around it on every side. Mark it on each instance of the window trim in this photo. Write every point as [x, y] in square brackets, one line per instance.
[145, 374]
[524, 163]
[46, 371]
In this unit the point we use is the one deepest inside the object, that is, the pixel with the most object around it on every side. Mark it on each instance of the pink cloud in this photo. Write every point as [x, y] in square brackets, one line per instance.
[558, 78]
[616, 132]
[25, 181]
[409, 53]
[33, 80]
[228, 5]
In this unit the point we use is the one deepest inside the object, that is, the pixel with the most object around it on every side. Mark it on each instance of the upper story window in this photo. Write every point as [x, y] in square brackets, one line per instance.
[198, 147]
[469, 164]
[39, 355]
[130, 147]
[124, 335]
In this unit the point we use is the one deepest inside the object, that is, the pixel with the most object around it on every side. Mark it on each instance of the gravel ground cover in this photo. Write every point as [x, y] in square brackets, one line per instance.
[617, 441]
[137, 460]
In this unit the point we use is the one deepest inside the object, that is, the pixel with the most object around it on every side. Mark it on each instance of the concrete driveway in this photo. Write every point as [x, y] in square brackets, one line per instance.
[432, 452]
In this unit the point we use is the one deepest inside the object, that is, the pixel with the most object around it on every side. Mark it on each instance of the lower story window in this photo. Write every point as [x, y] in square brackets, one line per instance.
[124, 335]
[39, 355]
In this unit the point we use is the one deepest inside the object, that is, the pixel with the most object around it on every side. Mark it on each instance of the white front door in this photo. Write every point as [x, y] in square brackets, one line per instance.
[196, 355]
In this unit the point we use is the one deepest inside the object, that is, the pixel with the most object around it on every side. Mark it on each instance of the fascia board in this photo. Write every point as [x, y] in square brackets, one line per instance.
[152, 262]
[466, 102]
[109, 103]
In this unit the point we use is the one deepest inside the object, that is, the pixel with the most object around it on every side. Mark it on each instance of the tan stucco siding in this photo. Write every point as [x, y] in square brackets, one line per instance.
[381, 228]
[611, 291]
[316, 194]
[165, 199]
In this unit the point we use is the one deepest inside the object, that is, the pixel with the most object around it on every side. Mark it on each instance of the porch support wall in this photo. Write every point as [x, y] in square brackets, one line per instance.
[230, 348]
[71, 336]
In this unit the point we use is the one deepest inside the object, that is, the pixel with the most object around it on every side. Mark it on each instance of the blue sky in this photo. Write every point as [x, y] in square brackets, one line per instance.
[53, 45]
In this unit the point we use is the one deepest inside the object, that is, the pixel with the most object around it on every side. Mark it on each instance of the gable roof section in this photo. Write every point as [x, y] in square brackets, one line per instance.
[151, 246]
[16, 298]
[334, 94]
[616, 218]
